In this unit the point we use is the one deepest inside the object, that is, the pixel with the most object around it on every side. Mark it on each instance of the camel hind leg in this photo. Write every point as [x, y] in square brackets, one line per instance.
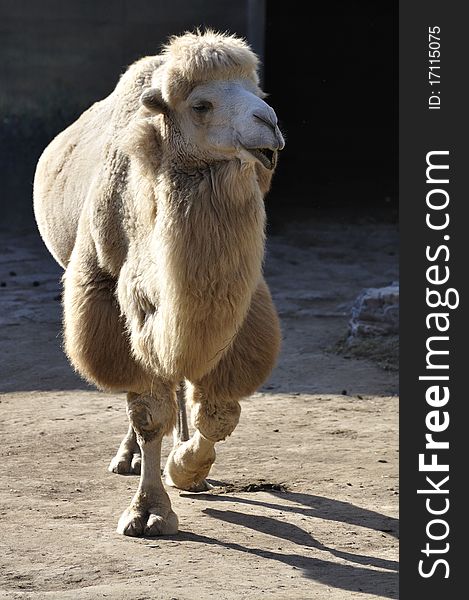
[215, 398]
[128, 458]
[182, 429]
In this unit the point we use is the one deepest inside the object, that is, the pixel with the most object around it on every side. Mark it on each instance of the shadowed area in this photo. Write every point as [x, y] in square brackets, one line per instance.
[315, 271]
[344, 576]
[313, 506]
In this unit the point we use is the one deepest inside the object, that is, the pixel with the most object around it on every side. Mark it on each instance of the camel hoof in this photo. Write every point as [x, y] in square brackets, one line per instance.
[157, 525]
[196, 487]
[201, 486]
[182, 472]
[137, 523]
[125, 464]
[130, 523]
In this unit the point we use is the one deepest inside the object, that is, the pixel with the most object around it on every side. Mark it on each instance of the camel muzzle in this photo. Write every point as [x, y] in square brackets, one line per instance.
[266, 156]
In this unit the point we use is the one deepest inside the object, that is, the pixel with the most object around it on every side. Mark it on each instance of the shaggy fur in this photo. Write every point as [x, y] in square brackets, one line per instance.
[194, 59]
[155, 210]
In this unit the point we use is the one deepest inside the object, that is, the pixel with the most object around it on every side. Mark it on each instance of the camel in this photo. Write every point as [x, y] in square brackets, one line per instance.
[153, 203]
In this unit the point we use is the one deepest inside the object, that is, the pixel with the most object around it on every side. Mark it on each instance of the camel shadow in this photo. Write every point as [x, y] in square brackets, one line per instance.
[351, 577]
[319, 507]
[346, 577]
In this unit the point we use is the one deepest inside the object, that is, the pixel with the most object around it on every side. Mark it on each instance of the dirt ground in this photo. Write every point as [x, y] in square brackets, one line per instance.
[306, 492]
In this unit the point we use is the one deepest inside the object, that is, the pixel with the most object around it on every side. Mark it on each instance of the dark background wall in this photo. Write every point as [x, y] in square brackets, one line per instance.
[331, 80]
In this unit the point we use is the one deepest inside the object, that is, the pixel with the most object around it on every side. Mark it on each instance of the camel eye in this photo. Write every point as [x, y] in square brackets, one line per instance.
[201, 107]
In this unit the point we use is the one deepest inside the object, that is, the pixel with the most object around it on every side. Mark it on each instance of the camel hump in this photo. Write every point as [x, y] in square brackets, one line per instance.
[69, 166]
[59, 194]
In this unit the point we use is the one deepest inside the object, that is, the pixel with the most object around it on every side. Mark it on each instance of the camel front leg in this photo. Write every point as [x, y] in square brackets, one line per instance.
[190, 461]
[150, 512]
[201, 449]
[215, 398]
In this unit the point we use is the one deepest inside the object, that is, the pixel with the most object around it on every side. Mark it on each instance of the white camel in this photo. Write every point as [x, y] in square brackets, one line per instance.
[153, 203]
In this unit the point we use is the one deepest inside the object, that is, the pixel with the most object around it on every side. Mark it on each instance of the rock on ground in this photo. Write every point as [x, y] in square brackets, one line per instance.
[376, 312]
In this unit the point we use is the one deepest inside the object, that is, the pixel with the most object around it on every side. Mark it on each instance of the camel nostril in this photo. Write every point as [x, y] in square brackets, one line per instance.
[271, 121]
[267, 119]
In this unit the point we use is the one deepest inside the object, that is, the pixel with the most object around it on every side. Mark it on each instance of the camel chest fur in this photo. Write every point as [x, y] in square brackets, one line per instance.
[186, 293]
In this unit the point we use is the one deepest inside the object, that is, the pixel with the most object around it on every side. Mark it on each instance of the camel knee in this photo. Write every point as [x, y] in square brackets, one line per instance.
[216, 421]
[152, 415]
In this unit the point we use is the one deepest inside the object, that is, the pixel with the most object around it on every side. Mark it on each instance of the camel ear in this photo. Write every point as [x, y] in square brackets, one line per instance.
[153, 101]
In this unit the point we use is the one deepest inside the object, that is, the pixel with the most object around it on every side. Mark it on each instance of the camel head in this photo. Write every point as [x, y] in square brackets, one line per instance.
[209, 105]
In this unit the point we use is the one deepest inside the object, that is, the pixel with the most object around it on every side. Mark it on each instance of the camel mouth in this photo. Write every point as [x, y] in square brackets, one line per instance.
[266, 156]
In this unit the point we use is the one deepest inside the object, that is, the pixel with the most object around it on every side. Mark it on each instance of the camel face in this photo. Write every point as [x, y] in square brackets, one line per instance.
[207, 95]
[222, 120]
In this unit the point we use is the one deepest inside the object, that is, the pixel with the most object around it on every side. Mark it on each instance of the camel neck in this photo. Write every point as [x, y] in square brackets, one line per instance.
[209, 241]
[224, 183]
[213, 222]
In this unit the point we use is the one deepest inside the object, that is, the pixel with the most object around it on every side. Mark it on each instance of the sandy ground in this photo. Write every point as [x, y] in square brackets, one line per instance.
[305, 499]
